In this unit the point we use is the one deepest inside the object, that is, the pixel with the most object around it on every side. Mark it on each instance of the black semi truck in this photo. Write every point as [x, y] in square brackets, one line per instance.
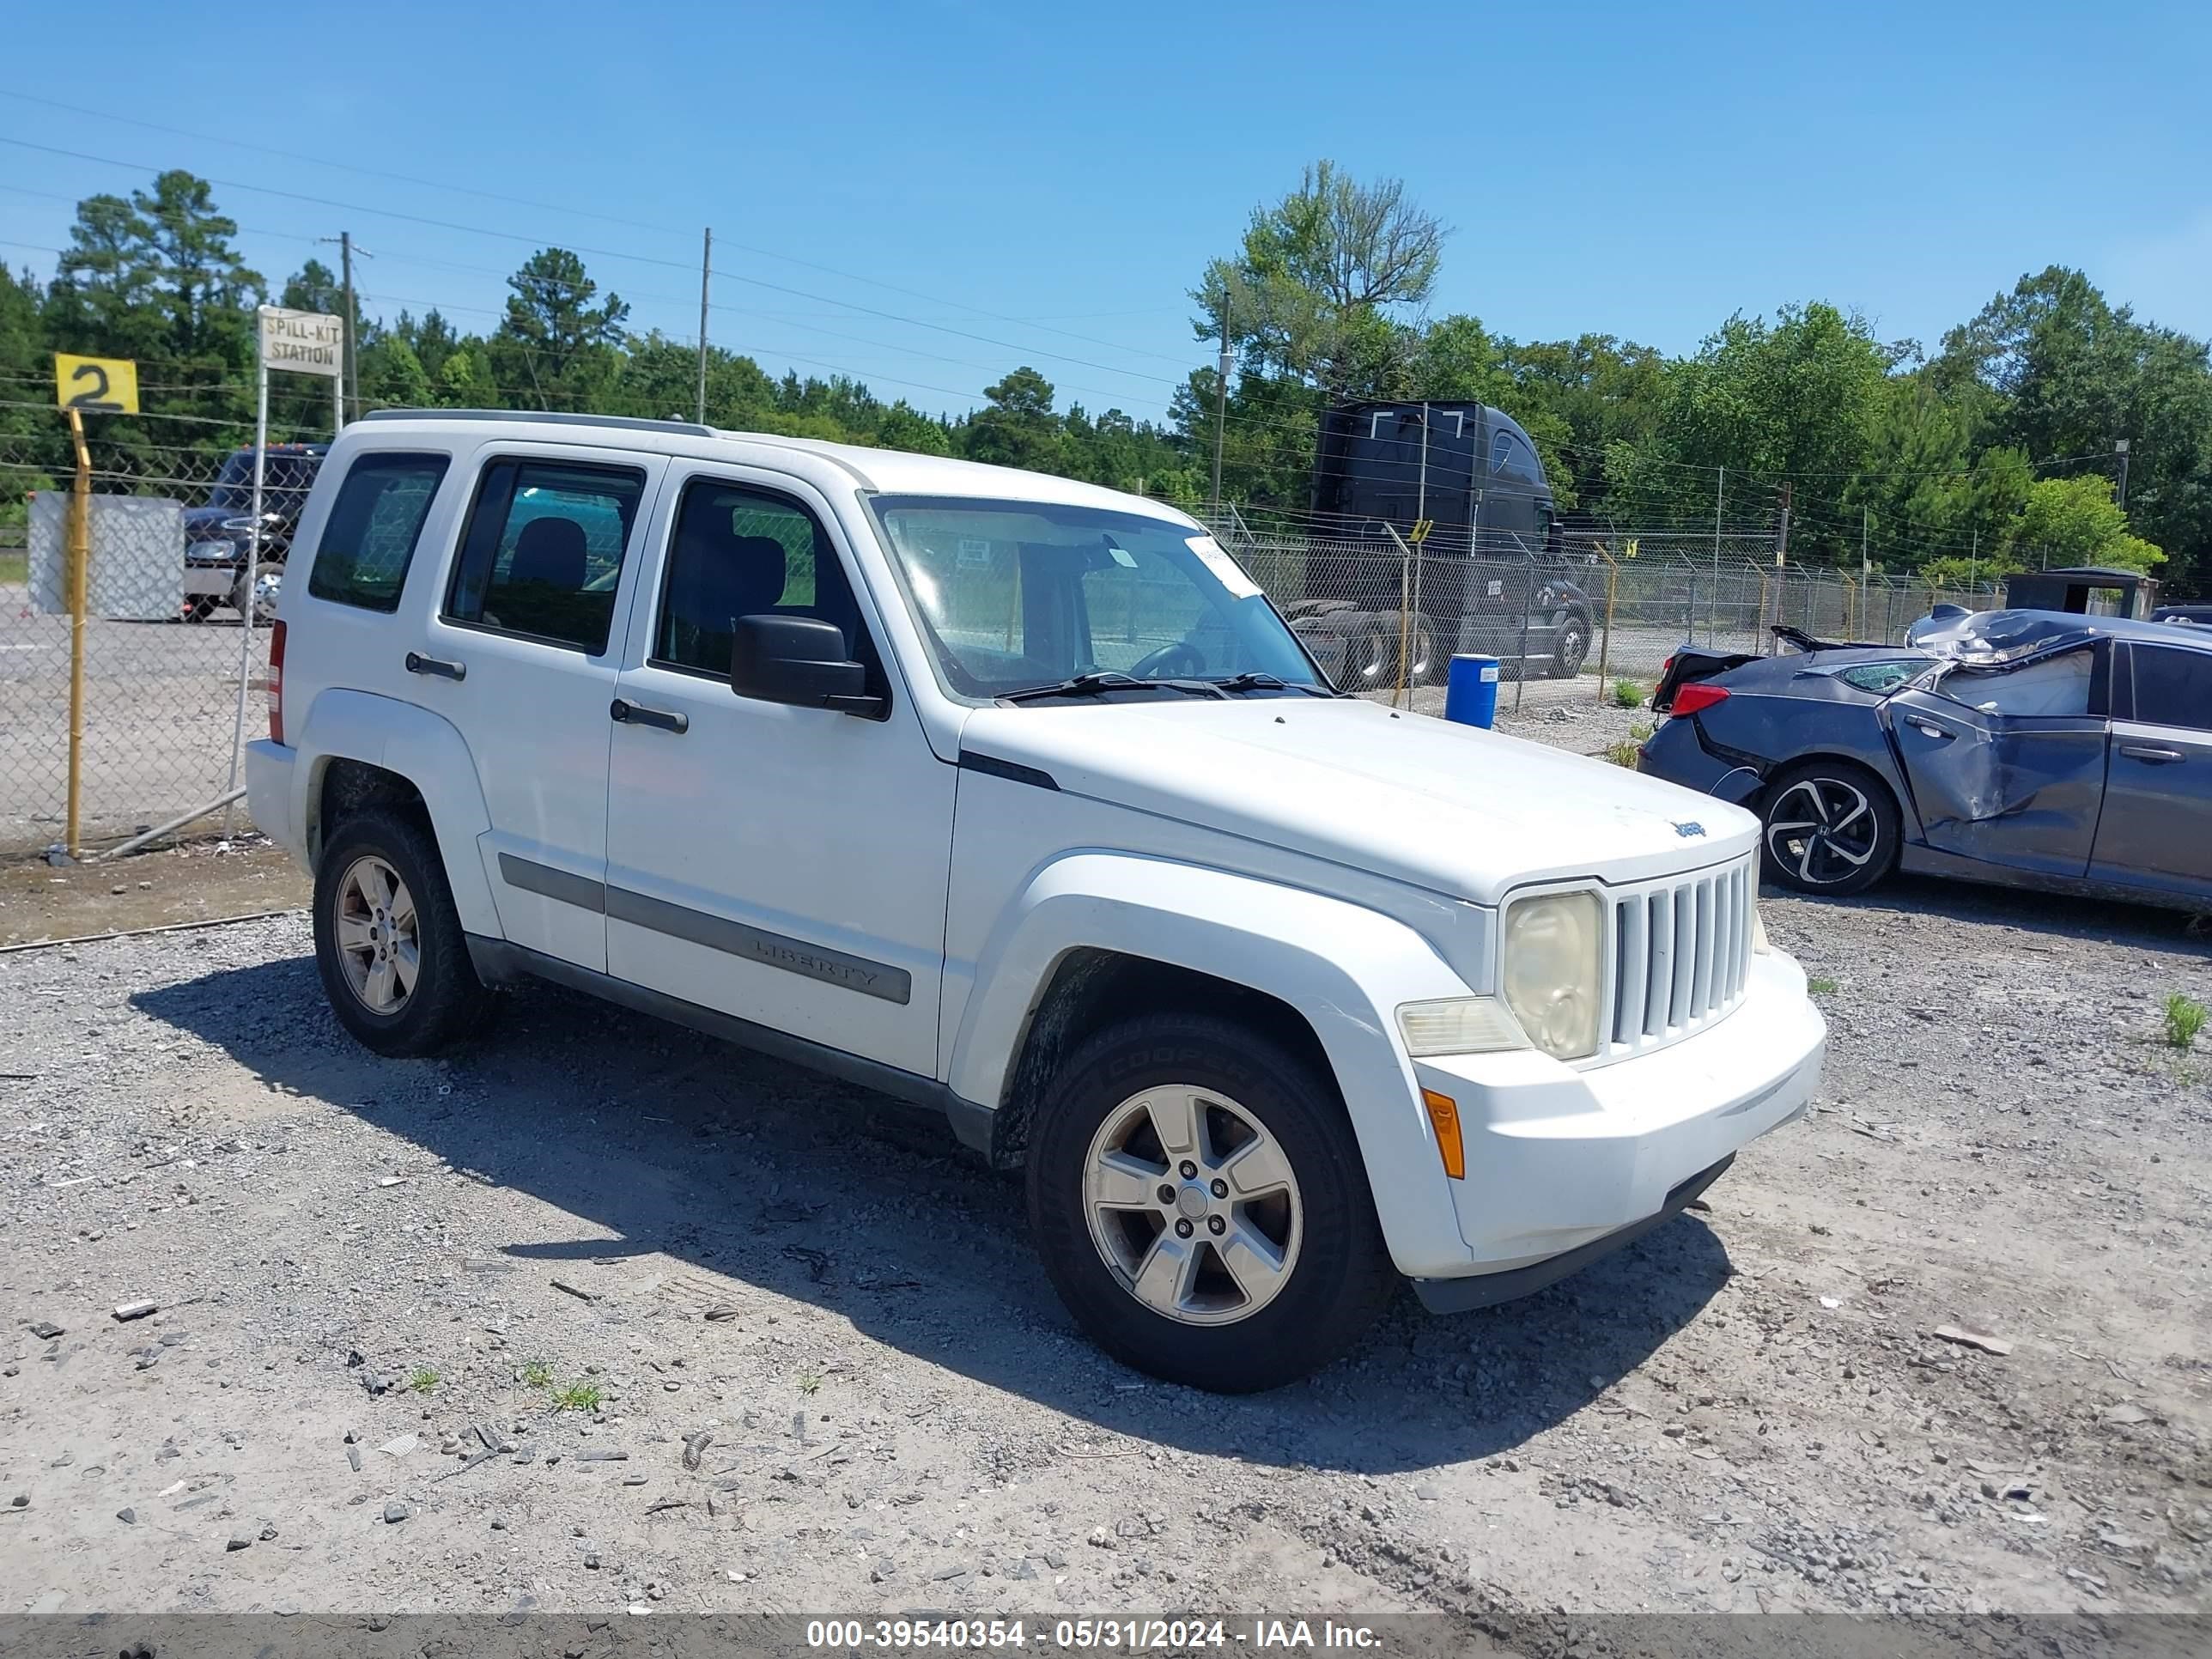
[1462, 482]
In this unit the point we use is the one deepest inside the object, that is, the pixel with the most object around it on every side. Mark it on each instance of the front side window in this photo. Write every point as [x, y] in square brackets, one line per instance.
[1012, 596]
[369, 539]
[737, 551]
[2173, 688]
[544, 550]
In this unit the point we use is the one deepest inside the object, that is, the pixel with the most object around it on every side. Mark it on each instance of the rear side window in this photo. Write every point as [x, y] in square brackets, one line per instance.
[370, 538]
[544, 550]
[2173, 688]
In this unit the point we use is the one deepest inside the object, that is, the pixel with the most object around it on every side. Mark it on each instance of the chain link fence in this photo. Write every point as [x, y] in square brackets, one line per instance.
[1386, 616]
[167, 639]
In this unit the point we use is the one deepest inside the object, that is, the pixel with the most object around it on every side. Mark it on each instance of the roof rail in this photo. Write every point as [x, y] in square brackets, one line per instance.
[544, 418]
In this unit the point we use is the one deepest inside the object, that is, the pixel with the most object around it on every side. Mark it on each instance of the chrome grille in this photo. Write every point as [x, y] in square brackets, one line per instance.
[1681, 948]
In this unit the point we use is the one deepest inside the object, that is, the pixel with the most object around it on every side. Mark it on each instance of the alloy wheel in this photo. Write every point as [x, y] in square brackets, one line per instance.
[1193, 1204]
[1823, 830]
[379, 935]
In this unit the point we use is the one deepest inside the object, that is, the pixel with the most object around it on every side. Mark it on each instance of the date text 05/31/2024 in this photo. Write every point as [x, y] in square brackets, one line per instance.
[1135, 1635]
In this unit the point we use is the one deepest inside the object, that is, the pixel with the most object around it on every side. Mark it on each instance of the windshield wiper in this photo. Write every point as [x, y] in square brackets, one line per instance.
[1099, 682]
[1253, 680]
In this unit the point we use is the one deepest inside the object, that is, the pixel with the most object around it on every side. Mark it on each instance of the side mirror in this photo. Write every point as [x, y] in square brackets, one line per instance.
[800, 660]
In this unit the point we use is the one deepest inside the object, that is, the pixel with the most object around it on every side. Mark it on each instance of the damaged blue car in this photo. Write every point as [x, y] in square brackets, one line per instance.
[2031, 749]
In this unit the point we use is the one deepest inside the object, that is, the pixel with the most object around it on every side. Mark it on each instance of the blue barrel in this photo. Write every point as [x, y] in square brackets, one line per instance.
[1471, 690]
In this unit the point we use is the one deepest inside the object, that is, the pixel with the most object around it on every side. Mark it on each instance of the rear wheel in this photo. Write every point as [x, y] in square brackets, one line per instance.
[1830, 827]
[1201, 1206]
[388, 943]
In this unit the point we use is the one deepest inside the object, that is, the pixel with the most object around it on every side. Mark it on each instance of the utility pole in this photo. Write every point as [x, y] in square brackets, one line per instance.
[1221, 404]
[350, 381]
[2120, 449]
[706, 266]
[1973, 560]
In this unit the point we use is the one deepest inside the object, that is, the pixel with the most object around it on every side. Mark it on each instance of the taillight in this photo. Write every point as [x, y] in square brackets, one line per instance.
[276, 683]
[1689, 699]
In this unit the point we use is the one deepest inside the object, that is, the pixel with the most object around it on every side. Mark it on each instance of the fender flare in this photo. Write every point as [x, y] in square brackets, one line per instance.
[1344, 968]
[429, 752]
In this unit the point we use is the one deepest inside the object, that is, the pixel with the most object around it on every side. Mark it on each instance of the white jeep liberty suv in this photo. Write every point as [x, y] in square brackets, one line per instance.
[1015, 798]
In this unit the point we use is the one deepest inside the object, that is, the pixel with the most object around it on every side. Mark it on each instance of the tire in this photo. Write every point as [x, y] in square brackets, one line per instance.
[1829, 827]
[1573, 649]
[354, 936]
[1426, 668]
[1370, 655]
[1335, 1274]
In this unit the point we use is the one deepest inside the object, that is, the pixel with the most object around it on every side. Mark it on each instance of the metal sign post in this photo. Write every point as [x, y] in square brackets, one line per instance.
[106, 385]
[302, 343]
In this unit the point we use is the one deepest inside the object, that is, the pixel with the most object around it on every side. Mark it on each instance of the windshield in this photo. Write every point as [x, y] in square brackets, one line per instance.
[1012, 596]
[285, 481]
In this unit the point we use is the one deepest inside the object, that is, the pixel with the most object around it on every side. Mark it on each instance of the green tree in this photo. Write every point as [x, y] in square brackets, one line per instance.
[558, 343]
[1321, 286]
[2075, 521]
[1018, 428]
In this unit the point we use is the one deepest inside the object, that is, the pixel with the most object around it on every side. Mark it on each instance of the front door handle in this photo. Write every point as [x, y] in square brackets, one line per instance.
[2151, 752]
[625, 713]
[419, 663]
[1927, 730]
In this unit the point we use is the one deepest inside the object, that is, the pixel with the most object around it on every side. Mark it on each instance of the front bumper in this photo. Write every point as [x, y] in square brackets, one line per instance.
[1559, 1160]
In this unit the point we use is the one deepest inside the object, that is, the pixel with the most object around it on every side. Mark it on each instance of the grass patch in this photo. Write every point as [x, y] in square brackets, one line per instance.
[423, 1380]
[1623, 753]
[537, 1375]
[1641, 732]
[2185, 1019]
[577, 1397]
[1820, 987]
[1627, 694]
[14, 569]
[809, 1382]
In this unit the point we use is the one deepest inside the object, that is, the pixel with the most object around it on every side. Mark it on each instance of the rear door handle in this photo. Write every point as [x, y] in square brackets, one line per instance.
[625, 713]
[419, 663]
[2155, 756]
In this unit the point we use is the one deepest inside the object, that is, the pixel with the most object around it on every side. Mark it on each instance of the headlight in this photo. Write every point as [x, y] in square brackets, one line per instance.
[1554, 954]
[1760, 947]
[211, 549]
[1458, 1025]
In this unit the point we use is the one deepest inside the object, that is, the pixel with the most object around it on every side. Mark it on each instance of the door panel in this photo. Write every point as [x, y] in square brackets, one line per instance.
[2157, 826]
[2022, 792]
[786, 865]
[520, 653]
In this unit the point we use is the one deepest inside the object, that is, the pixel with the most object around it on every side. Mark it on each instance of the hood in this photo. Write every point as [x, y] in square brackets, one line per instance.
[1454, 809]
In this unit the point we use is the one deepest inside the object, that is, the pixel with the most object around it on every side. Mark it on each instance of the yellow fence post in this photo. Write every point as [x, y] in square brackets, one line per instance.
[1612, 596]
[79, 559]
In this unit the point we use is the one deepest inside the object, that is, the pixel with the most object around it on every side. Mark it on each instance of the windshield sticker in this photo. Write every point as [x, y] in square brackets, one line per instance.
[973, 551]
[1122, 556]
[1230, 574]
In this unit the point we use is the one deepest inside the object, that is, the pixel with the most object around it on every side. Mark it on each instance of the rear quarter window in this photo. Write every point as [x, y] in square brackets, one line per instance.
[368, 541]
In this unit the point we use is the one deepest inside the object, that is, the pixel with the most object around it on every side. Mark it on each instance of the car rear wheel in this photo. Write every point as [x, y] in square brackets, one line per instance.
[388, 942]
[1201, 1206]
[1830, 826]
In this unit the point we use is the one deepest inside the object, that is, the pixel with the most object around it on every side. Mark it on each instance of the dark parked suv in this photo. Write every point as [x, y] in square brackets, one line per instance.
[216, 535]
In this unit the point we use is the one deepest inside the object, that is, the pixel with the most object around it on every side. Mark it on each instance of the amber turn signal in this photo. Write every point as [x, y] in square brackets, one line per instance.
[1443, 1114]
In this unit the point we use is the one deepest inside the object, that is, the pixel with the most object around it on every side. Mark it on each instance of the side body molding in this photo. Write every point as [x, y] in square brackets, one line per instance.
[1344, 968]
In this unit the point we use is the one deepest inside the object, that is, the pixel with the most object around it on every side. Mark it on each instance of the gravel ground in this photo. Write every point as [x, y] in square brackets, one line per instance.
[608, 1314]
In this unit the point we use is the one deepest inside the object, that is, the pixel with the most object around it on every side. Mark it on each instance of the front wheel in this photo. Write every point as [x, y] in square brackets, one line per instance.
[1201, 1206]
[1830, 827]
[1573, 649]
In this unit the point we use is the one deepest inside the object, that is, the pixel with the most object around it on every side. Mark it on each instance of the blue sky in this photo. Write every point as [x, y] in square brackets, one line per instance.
[888, 182]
